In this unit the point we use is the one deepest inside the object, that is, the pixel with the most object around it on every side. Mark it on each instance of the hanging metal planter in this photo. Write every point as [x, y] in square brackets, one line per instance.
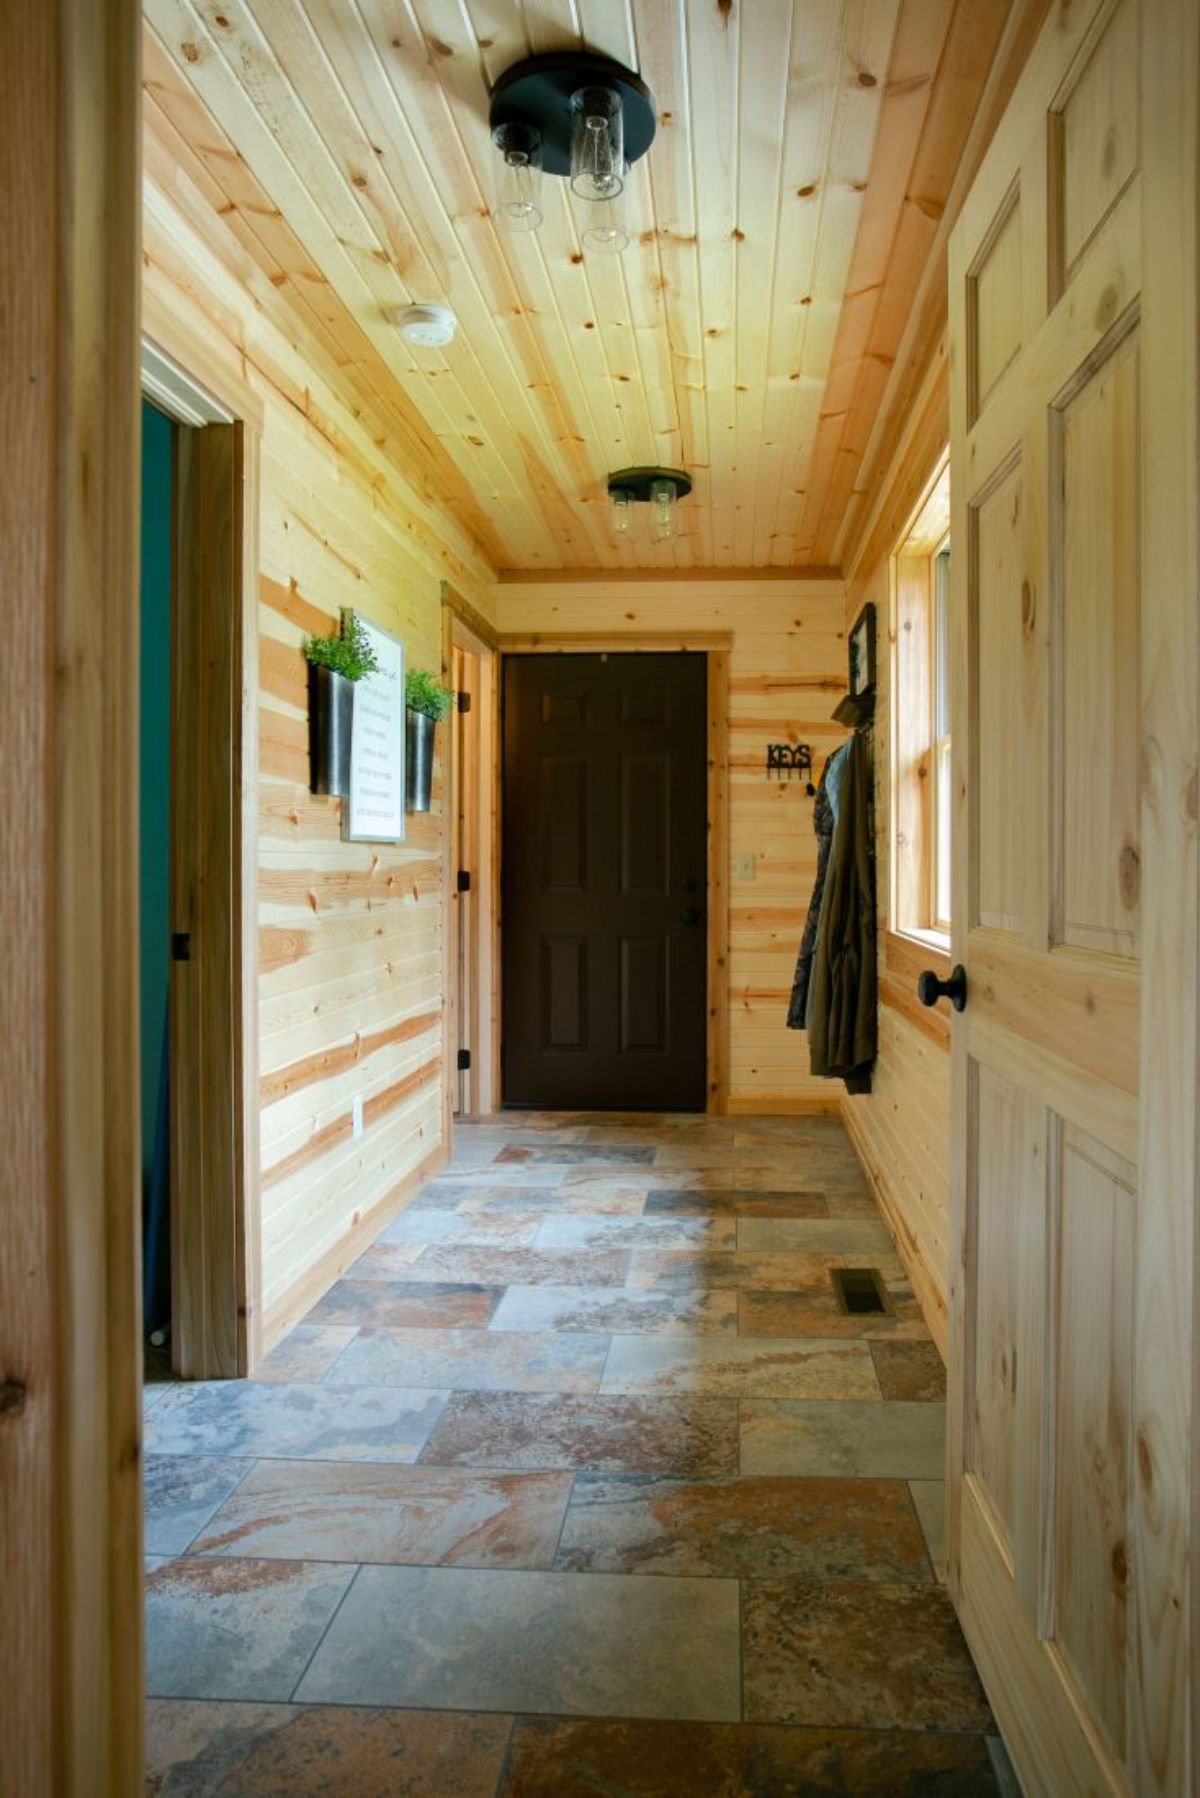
[419, 729]
[330, 726]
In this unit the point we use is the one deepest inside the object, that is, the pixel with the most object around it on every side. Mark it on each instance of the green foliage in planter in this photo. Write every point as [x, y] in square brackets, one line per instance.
[346, 652]
[424, 693]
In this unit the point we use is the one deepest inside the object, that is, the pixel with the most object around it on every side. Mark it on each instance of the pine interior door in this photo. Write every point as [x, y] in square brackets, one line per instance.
[1072, 481]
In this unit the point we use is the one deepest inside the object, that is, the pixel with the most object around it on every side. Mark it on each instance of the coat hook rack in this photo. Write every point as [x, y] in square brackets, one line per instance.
[791, 759]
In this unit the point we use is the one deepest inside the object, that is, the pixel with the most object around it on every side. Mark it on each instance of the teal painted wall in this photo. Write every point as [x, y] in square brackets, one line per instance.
[155, 780]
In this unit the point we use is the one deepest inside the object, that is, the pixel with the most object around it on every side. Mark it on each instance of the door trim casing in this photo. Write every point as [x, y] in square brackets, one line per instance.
[464, 627]
[217, 1326]
[716, 647]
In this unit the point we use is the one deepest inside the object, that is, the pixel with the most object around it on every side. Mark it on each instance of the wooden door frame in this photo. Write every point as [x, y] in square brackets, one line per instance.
[216, 1261]
[464, 627]
[716, 647]
[70, 1310]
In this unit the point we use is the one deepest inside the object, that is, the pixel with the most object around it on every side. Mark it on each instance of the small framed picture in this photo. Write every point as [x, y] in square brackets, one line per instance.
[862, 654]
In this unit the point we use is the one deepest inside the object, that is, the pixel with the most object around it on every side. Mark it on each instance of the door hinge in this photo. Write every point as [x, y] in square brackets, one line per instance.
[464, 880]
[464, 702]
[464, 1060]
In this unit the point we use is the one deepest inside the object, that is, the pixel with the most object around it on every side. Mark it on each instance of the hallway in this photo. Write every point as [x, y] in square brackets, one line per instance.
[581, 1481]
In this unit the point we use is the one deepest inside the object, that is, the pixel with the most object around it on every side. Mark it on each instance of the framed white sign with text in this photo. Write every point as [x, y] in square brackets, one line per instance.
[375, 809]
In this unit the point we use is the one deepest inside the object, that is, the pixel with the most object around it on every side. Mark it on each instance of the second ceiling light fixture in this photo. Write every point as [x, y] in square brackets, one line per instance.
[577, 116]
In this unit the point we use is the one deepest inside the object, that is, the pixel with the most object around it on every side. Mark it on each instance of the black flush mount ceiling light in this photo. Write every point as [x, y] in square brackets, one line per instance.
[580, 117]
[659, 488]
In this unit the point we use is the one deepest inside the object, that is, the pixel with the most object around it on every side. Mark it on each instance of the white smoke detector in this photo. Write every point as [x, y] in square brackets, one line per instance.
[430, 327]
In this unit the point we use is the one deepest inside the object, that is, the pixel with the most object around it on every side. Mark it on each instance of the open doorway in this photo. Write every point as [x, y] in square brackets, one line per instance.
[197, 922]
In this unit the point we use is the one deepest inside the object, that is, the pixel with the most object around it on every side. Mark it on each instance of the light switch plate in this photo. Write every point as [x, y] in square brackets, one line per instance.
[746, 866]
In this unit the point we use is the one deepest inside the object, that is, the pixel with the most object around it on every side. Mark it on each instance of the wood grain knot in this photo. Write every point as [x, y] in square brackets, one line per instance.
[1145, 1462]
[1129, 876]
[1028, 607]
[1108, 156]
[12, 1397]
[1106, 311]
[1119, 1561]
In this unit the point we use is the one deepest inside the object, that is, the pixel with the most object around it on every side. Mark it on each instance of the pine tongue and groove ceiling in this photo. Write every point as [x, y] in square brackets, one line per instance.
[781, 223]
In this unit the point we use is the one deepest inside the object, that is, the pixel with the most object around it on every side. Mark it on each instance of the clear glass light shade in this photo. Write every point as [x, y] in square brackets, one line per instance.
[518, 151]
[621, 507]
[597, 143]
[605, 229]
[662, 511]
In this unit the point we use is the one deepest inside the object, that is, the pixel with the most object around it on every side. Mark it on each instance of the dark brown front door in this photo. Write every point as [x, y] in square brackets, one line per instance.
[605, 842]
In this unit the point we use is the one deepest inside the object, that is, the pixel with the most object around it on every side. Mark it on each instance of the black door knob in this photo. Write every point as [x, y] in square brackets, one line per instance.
[930, 989]
[691, 915]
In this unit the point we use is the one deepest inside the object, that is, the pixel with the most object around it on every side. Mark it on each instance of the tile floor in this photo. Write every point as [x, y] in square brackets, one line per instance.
[579, 1483]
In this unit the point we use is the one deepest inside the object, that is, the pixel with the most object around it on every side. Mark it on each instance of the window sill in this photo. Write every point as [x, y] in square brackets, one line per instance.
[906, 947]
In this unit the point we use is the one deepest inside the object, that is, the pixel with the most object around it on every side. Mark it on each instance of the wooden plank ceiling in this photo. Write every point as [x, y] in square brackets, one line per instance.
[781, 223]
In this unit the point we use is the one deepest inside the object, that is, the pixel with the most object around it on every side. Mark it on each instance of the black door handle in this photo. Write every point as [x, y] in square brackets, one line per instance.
[181, 945]
[691, 915]
[930, 989]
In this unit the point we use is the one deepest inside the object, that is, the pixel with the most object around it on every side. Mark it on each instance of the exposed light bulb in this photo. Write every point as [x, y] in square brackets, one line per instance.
[597, 143]
[518, 177]
[605, 231]
[662, 502]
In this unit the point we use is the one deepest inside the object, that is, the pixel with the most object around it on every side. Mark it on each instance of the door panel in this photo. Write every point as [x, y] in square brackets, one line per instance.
[605, 850]
[1098, 684]
[1068, 1435]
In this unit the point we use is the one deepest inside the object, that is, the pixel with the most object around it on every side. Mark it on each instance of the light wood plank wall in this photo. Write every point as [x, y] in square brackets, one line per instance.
[901, 1129]
[350, 937]
[787, 672]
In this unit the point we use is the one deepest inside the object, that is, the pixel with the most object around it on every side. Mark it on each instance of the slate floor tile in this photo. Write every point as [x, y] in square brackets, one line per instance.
[623, 1308]
[483, 1195]
[718, 1364]
[542, 1642]
[306, 1353]
[566, 1758]
[307, 1422]
[473, 1360]
[744, 1528]
[910, 1370]
[858, 1656]
[839, 1235]
[406, 1304]
[693, 1154]
[757, 1174]
[654, 1178]
[421, 1516]
[196, 1749]
[181, 1494]
[889, 1440]
[571, 1232]
[698, 1270]
[929, 1497]
[559, 1154]
[583, 1440]
[516, 1229]
[799, 1314]
[637, 1435]
[444, 1263]
[622, 1197]
[677, 1202]
[236, 1629]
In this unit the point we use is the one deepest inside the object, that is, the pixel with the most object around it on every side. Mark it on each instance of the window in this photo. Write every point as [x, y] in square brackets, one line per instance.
[920, 720]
